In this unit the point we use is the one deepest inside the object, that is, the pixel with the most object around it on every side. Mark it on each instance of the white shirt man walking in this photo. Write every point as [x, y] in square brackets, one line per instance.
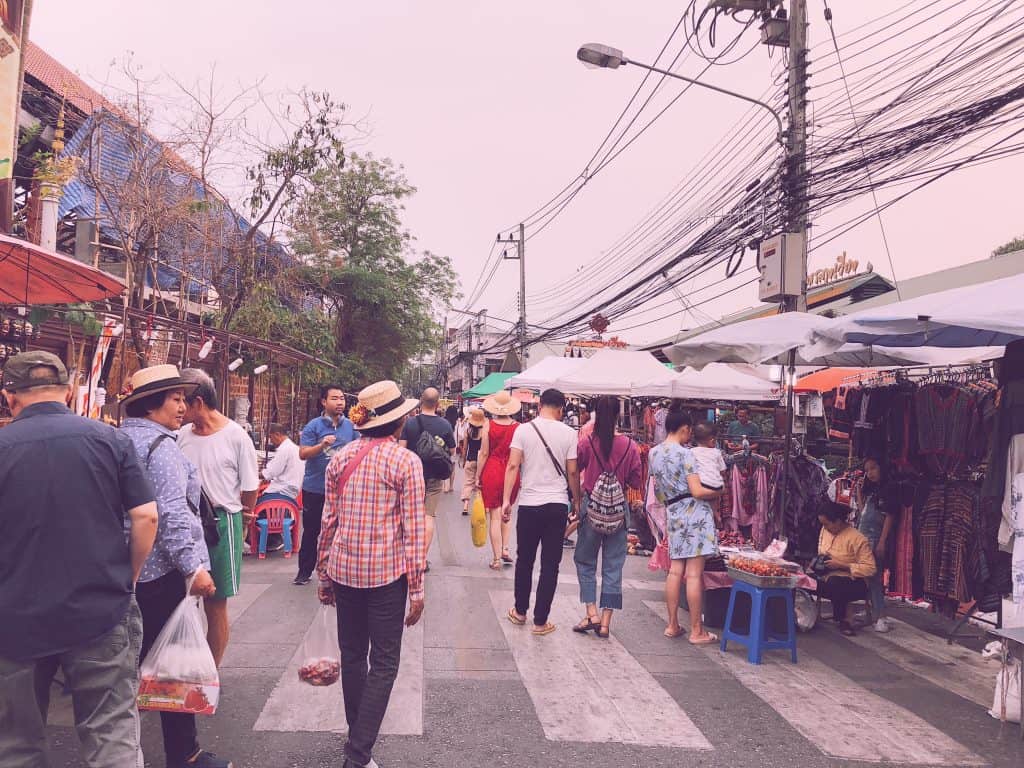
[543, 455]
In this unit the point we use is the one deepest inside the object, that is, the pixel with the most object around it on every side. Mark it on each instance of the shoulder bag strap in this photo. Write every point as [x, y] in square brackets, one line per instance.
[354, 463]
[558, 467]
[153, 446]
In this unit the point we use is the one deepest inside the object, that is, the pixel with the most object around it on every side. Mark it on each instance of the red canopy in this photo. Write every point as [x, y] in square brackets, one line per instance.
[828, 379]
[31, 275]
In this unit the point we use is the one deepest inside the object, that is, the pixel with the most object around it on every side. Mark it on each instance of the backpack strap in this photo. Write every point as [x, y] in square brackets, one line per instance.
[597, 454]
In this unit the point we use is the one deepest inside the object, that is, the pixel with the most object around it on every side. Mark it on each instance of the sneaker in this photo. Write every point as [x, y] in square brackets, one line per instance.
[883, 625]
[203, 760]
[301, 581]
[568, 543]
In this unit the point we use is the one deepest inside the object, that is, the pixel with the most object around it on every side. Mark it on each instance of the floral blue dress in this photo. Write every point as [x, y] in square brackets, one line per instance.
[691, 523]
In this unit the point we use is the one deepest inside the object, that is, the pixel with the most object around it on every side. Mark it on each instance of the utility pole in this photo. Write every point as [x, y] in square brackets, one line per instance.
[520, 244]
[795, 177]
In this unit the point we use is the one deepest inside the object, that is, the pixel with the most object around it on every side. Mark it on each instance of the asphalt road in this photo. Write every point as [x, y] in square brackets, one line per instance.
[475, 690]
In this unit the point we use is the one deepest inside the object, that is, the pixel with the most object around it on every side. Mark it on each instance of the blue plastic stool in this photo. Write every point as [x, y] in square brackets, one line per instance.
[759, 639]
[286, 533]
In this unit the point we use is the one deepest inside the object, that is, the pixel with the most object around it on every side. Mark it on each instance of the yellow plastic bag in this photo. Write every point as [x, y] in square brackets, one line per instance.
[478, 522]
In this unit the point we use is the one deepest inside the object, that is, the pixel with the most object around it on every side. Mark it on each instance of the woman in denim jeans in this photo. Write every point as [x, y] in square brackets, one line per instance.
[601, 451]
[875, 502]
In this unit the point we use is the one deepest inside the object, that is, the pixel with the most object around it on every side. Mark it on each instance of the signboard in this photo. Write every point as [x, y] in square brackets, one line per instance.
[842, 269]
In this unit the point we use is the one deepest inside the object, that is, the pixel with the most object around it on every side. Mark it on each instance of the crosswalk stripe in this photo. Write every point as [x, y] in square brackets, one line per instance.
[951, 667]
[840, 717]
[632, 707]
[295, 706]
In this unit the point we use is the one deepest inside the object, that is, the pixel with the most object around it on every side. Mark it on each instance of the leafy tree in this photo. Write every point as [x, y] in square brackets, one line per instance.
[1017, 244]
[379, 294]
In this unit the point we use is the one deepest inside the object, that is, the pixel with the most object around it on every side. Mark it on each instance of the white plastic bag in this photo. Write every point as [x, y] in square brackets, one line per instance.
[1006, 702]
[179, 673]
[321, 654]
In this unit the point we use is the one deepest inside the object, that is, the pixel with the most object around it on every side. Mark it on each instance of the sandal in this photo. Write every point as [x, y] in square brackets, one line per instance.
[709, 638]
[543, 629]
[496, 565]
[587, 625]
[670, 634]
[845, 628]
[603, 632]
[515, 618]
[505, 556]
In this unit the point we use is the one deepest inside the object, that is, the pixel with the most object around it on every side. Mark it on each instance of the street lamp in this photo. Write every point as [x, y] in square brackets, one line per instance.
[606, 57]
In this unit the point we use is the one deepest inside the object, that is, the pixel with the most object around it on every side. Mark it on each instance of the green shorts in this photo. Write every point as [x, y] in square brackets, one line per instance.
[226, 557]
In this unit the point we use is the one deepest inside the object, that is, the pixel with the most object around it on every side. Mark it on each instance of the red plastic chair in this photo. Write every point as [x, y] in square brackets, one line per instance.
[276, 512]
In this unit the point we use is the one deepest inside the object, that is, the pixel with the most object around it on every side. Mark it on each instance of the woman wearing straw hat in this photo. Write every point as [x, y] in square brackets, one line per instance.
[371, 557]
[472, 447]
[493, 459]
[155, 409]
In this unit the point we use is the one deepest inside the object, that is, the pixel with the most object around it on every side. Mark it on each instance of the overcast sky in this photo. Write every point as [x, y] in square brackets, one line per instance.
[488, 110]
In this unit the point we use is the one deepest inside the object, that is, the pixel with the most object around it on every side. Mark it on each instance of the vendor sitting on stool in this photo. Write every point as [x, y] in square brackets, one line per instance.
[284, 472]
[844, 562]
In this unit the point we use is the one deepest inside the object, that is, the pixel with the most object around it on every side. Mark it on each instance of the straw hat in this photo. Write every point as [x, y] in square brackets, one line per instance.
[502, 404]
[156, 378]
[380, 404]
[476, 417]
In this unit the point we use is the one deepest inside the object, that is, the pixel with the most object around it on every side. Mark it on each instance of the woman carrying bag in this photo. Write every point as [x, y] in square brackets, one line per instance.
[155, 409]
[612, 462]
[493, 460]
[474, 444]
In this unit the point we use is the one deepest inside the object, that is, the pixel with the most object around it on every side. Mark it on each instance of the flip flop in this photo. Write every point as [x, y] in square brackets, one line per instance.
[590, 625]
[710, 639]
[680, 633]
[514, 618]
[546, 629]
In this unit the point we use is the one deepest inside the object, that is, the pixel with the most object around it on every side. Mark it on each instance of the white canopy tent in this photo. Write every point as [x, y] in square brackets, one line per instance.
[545, 373]
[716, 381]
[974, 316]
[612, 372]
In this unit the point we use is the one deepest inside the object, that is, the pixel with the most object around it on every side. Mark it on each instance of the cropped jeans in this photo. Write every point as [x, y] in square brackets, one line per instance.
[612, 549]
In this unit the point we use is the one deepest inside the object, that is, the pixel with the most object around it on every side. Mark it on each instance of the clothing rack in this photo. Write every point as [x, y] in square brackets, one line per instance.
[923, 374]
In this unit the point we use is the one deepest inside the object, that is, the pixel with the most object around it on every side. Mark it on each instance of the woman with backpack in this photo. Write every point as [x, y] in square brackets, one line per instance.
[609, 465]
[492, 461]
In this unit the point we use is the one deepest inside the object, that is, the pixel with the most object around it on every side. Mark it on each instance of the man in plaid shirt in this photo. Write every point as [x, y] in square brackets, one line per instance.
[371, 555]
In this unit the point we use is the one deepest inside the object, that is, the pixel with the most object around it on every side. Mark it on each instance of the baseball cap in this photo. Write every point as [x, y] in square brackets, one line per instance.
[17, 372]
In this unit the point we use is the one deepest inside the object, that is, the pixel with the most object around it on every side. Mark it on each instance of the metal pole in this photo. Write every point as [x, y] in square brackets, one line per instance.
[522, 297]
[796, 144]
[788, 379]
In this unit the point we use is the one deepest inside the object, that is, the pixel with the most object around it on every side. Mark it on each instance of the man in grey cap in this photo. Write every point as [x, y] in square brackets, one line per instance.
[70, 488]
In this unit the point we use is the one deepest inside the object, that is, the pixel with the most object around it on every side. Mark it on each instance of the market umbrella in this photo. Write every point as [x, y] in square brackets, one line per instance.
[761, 340]
[828, 379]
[487, 386]
[982, 315]
[32, 275]
[612, 372]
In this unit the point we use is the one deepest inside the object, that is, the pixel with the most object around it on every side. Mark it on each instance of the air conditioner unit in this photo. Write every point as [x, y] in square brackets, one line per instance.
[780, 259]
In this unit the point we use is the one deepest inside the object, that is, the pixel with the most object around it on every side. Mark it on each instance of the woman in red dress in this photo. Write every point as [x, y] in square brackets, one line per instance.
[494, 454]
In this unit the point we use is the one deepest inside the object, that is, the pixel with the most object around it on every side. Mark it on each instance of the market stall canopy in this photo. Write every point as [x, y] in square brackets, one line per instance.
[716, 381]
[487, 386]
[981, 315]
[828, 379]
[758, 341]
[612, 372]
[32, 275]
[544, 374]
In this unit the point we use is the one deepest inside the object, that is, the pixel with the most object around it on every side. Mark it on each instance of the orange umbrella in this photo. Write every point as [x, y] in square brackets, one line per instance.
[828, 379]
[32, 275]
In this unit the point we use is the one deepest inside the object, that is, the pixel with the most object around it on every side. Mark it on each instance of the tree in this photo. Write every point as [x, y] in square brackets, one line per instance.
[379, 294]
[1017, 244]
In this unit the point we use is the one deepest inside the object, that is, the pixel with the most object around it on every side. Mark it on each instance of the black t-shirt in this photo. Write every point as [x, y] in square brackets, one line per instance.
[66, 484]
[474, 440]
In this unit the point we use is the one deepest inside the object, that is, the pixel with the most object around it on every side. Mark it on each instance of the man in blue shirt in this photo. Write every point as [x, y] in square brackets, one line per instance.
[321, 437]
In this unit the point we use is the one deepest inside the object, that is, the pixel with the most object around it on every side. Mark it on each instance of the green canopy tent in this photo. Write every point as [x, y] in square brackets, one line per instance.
[493, 382]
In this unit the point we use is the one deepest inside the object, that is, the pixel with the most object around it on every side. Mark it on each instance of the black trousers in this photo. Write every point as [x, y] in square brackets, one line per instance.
[157, 600]
[370, 626]
[312, 515]
[543, 527]
[842, 590]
